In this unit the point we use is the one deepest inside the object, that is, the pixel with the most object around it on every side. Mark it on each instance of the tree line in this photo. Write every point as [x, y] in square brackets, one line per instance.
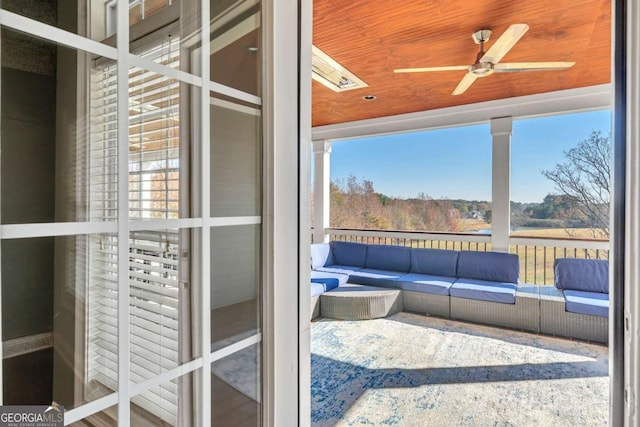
[582, 200]
[356, 204]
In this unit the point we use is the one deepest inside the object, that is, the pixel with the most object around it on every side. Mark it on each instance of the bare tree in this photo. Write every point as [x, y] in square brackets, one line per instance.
[585, 178]
[355, 204]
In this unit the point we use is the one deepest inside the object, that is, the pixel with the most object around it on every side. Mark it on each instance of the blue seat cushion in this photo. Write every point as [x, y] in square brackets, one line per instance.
[320, 255]
[329, 278]
[339, 269]
[593, 303]
[328, 282]
[588, 275]
[435, 262]
[489, 266]
[317, 289]
[484, 290]
[373, 277]
[428, 284]
[387, 257]
[348, 253]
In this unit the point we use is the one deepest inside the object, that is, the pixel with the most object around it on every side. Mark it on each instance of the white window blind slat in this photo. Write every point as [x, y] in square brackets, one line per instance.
[148, 315]
[166, 291]
[166, 330]
[154, 174]
[150, 364]
[154, 307]
[153, 362]
[161, 340]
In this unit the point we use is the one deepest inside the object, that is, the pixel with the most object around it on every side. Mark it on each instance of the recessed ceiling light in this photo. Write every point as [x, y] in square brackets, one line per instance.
[330, 73]
[369, 97]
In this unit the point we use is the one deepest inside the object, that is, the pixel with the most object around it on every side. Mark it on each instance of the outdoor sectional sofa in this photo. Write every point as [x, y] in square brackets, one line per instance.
[578, 305]
[474, 286]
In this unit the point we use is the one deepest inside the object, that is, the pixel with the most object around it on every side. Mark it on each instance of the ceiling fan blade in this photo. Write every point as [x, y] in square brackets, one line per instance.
[532, 66]
[464, 84]
[422, 70]
[504, 44]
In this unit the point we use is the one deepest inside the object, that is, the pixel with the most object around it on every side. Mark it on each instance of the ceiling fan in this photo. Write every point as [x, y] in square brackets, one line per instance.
[488, 62]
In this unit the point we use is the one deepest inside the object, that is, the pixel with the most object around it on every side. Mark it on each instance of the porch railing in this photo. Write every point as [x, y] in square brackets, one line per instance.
[414, 239]
[536, 254]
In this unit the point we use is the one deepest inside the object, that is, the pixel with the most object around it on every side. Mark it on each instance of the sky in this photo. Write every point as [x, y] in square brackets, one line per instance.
[455, 163]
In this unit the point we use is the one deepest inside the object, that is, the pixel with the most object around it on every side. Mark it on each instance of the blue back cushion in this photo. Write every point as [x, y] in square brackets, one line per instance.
[435, 262]
[320, 255]
[489, 266]
[386, 257]
[348, 253]
[590, 275]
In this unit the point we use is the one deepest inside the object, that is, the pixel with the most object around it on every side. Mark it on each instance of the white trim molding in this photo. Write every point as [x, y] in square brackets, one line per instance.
[632, 227]
[124, 286]
[148, 65]
[50, 229]
[76, 414]
[544, 104]
[304, 248]
[53, 34]
[234, 93]
[281, 260]
[202, 288]
[25, 345]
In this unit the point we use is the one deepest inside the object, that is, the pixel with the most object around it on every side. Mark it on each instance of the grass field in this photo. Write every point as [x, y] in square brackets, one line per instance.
[561, 233]
[470, 224]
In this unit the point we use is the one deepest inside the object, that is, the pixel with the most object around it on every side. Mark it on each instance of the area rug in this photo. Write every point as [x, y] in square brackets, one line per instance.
[240, 369]
[411, 370]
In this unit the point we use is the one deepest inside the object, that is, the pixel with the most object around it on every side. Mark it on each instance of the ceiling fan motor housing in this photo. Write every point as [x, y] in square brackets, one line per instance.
[481, 69]
[481, 36]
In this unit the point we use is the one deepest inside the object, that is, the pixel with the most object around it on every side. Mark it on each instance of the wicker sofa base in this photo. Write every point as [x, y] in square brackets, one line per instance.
[360, 302]
[315, 307]
[537, 309]
[555, 320]
[523, 315]
[430, 304]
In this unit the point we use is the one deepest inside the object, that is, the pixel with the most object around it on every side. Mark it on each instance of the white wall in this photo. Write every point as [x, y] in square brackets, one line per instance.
[235, 160]
[235, 191]
[235, 263]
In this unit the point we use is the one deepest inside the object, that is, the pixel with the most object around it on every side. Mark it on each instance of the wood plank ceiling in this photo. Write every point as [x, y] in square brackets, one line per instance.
[372, 38]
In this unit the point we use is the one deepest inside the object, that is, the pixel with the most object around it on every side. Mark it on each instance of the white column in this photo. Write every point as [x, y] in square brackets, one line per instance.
[321, 192]
[501, 183]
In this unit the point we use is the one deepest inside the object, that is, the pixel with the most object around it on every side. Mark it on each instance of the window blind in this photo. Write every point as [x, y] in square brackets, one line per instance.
[154, 174]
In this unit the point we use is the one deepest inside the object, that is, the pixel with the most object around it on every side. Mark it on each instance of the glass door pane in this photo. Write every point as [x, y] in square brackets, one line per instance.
[236, 213]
